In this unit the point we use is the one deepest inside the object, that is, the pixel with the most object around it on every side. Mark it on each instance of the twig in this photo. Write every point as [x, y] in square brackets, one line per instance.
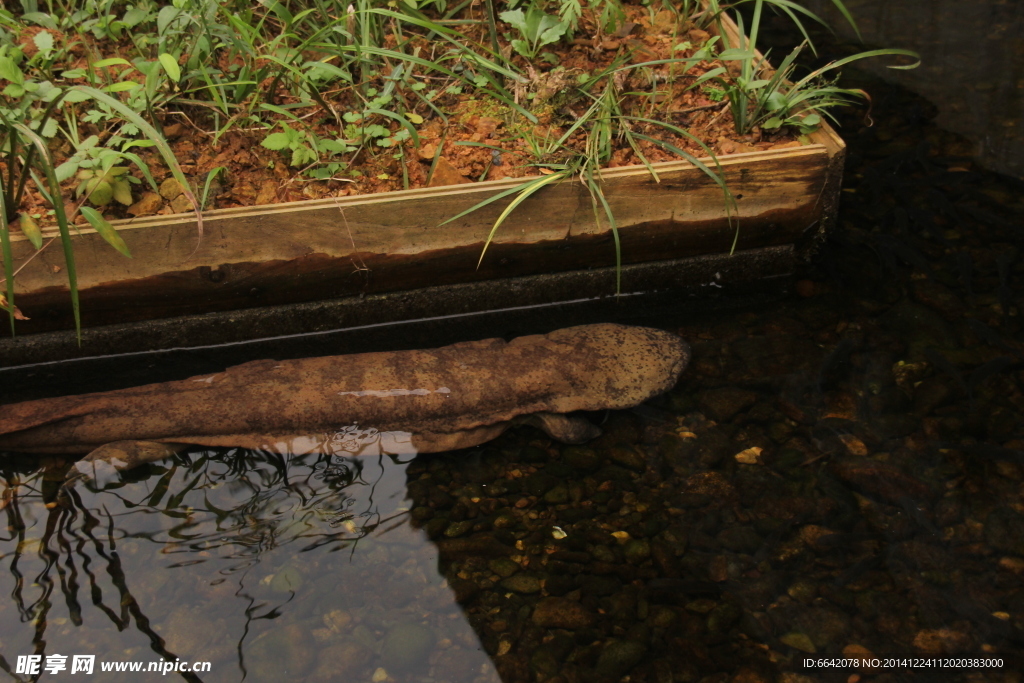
[714, 105]
[29, 260]
[718, 115]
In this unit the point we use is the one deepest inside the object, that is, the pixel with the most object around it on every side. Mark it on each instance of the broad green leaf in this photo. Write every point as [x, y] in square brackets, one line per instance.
[66, 170]
[167, 15]
[276, 141]
[105, 229]
[75, 96]
[516, 18]
[414, 118]
[10, 71]
[122, 86]
[811, 120]
[112, 61]
[122, 192]
[133, 16]
[772, 123]
[775, 101]
[30, 229]
[44, 41]
[49, 128]
[41, 18]
[100, 192]
[170, 65]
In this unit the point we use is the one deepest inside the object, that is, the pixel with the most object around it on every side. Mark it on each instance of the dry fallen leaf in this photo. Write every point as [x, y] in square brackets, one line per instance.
[18, 315]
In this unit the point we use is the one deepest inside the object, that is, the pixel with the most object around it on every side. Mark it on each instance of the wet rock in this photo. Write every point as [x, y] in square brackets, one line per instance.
[661, 616]
[558, 495]
[714, 485]
[421, 514]
[540, 483]
[562, 613]
[284, 653]
[599, 585]
[803, 591]
[618, 658]
[476, 546]
[1004, 531]
[777, 354]
[629, 457]
[712, 447]
[549, 658]
[895, 425]
[740, 539]
[664, 556]
[522, 583]
[799, 641]
[456, 529]
[938, 298]
[339, 655]
[406, 647]
[929, 394]
[921, 326]
[637, 550]
[560, 584]
[880, 479]
[503, 567]
[582, 458]
[464, 590]
[941, 641]
[723, 616]
[677, 450]
[288, 580]
[723, 404]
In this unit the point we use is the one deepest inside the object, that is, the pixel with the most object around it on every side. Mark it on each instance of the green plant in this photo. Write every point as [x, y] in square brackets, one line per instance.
[536, 28]
[26, 154]
[759, 97]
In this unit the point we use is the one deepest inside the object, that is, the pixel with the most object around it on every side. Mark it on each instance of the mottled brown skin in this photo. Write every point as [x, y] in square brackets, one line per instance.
[452, 397]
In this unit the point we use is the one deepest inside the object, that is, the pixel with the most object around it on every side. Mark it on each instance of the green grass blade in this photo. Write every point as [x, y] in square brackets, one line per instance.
[105, 229]
[596, 194]
[492, 199]
[46, 164]
[524, 194]
[209, 179]
[5, 243]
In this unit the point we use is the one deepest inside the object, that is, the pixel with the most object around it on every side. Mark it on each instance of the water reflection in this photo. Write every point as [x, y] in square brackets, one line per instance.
[293, 563]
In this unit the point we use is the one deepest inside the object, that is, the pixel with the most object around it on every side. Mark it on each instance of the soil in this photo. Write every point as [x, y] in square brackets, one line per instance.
[256, 175]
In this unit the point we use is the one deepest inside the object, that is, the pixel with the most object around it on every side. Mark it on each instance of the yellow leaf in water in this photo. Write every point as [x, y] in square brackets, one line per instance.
[853, 444]
[621, 536]
[750, 456]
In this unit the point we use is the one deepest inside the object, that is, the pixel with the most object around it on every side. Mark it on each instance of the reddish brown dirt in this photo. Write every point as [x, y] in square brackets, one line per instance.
[256, 175]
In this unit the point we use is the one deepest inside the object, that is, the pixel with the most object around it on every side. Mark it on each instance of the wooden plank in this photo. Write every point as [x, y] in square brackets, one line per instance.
[328, 248]
[315, 250]
[417, 318]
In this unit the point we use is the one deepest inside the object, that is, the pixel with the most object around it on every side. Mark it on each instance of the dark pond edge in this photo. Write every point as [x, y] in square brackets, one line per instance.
[33, 366]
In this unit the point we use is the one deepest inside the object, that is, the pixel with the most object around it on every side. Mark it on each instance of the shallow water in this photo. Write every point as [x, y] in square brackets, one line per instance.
[842, 472]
